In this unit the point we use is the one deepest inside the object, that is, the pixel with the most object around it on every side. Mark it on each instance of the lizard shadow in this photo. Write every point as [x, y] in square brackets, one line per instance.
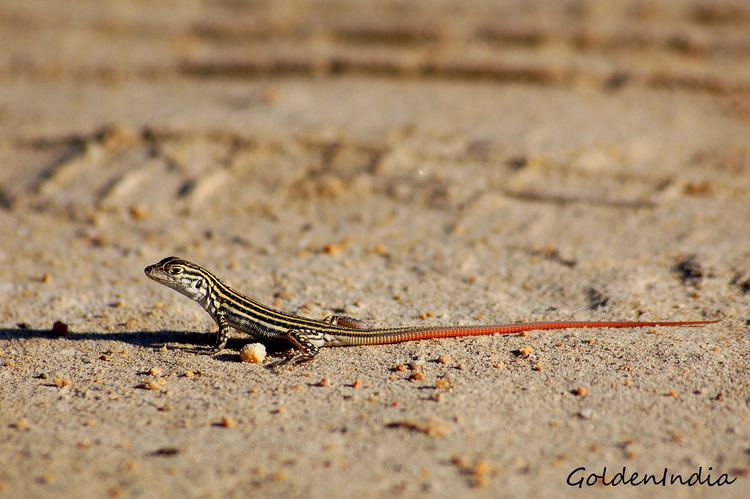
[186, 340]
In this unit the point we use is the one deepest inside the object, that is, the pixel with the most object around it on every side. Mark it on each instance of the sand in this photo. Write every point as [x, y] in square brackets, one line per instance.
[437, 163]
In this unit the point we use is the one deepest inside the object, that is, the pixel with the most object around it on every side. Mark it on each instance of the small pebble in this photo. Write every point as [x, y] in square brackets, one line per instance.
[253, 353]
[227, 422]
[138, 213]
[48, 478]
[581, 391]
[21, 424]
[379, 249]
[586, 413]
[333, 249]
[479, 474]
[525, 352]
[152, 385]
[61, 382]
[279, 476]
[442, 384]
[60, 328]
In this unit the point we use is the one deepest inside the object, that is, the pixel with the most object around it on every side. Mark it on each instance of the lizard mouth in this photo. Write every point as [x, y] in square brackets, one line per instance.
[152, 272]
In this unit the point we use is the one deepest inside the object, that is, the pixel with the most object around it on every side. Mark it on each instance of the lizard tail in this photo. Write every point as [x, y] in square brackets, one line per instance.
[398, 335]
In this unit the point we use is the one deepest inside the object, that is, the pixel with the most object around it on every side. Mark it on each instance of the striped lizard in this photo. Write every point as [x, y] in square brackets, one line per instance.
[231, 309]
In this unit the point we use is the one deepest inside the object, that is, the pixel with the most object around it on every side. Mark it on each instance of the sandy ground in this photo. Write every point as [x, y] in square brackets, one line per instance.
[426, 163]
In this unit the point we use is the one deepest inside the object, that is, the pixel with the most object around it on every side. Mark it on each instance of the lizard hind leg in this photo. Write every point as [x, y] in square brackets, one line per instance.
[346, 321]
[307, 342]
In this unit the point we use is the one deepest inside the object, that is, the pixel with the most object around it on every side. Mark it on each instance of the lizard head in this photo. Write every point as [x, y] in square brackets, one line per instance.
[182, 276]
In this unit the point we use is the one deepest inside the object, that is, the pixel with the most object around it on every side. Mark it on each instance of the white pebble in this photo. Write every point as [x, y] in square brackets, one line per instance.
[254, 353]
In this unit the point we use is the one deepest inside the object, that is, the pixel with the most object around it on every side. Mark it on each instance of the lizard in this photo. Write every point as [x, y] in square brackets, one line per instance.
[231, 309]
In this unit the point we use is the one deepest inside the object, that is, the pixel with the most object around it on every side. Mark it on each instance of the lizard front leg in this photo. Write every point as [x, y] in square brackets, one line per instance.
[307, 342]
[222, 335]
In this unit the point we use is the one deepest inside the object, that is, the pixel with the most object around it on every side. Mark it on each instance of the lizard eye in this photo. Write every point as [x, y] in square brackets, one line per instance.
[175, 270]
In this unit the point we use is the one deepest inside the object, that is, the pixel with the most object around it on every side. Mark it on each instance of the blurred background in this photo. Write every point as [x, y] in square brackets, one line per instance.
[234, 127]
[690, 44]
[146, 110]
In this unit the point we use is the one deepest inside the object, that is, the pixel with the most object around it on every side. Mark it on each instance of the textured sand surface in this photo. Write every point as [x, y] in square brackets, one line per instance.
[427, 163]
